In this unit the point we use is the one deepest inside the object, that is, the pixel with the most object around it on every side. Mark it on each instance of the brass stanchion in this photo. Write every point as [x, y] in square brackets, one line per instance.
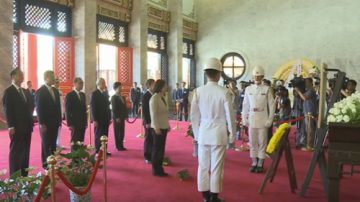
[177, 127]
[104, 141]
[51, 163]
[308, 128]
[89, 124]
[141, 134]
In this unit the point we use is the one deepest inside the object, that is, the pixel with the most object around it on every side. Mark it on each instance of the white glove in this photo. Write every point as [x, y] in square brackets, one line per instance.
[245, 122]
[231, 139]
[268, 123]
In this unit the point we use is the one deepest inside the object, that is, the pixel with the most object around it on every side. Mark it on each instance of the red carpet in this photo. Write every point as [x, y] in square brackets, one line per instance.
[130, 178]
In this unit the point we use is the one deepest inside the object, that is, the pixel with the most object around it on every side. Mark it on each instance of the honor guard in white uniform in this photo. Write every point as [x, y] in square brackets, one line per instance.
[214, 128]
[258, 113]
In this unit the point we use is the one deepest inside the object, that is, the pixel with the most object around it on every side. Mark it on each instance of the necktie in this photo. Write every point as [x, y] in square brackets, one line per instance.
[22, 94]
[79, 95]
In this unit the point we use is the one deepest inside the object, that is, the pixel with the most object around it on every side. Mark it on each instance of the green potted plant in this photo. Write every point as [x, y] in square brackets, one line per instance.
[77, 166]
[19, 188]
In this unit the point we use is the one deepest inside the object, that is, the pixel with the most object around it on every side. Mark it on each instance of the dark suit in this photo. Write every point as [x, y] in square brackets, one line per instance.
[49, 114]
[184, 97]
[148, 142]
[100, 109]
[18, 112]
[76, 116]
[119, 112]
[135, 95]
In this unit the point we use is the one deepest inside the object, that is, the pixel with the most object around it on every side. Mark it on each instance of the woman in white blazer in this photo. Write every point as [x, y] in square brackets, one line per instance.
[159, 126]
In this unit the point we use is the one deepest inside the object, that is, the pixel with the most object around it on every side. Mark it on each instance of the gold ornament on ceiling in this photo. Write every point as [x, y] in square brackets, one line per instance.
[159, 19]
[190, 29]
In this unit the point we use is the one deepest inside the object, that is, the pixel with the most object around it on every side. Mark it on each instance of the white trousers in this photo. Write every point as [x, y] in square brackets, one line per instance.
[211, 167]
[258, 142]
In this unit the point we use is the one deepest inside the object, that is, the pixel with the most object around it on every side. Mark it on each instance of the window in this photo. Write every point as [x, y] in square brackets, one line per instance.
[45, 57]
[111, 31]
[157, 65]
[154, 65]
[234, 66]
[186, 63]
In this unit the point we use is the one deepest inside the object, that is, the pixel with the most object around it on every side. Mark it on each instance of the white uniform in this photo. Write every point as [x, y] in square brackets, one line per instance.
[258, 113]
[212, 117]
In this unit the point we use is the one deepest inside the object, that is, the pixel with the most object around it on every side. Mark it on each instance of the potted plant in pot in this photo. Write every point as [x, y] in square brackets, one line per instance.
[77, 166]
[19, 188]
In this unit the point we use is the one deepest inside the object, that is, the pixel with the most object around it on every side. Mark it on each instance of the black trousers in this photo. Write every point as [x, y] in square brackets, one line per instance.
[135, 108]
[158, 151]
[78, 134]
[48, 143]
[19, 152]
[100, 130]
[148, 144]
[184, 111]
[119, 133]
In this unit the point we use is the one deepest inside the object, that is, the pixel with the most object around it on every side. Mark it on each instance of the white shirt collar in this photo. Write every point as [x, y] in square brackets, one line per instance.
[17, 87]
[212, 83]
[47, 86]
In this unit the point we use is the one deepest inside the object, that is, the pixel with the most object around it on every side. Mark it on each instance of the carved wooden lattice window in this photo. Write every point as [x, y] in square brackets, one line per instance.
[188, 48]
[42, 17]
[64, 62]
[16, 50]
[164, 67]
[125, 70]
[156, 41]
[111, 31]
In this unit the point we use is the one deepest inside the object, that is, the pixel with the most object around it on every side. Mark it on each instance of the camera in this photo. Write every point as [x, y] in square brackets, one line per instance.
[332, 81]
[297, 82]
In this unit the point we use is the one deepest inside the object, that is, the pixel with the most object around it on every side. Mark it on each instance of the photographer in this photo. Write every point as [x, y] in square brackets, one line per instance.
[309, 98]
[350, 89]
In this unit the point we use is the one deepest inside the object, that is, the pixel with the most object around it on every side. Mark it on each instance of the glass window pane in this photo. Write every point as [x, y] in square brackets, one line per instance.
[107, 57]
[228, 72]
[229, 61]
[238, 71]
[238, 61]
[186, 70]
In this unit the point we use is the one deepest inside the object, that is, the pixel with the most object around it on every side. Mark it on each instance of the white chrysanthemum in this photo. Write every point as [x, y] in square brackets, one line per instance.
[336, 111]
[331, 118]
[346, 118]
[339, 118]
[344, 110]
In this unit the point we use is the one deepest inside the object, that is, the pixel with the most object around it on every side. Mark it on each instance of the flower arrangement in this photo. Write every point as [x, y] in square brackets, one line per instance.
[167, 161]
[274, 141]
[346, 110]
[19, 188]
[190, 132]
[77, 166]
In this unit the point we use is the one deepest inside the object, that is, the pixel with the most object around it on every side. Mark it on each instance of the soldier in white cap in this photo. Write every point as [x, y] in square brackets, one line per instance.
[214, 128]
[258, 113]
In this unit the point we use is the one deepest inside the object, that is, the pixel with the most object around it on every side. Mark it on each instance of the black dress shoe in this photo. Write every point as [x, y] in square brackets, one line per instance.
[252, 169]
[259, 169]
[161, 174]
[147, 161]
[217, 200]
[108, 154]
[122, 149]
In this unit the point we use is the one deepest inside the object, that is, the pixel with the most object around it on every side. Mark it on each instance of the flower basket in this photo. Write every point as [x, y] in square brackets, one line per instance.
[344, 133]
[80, 198]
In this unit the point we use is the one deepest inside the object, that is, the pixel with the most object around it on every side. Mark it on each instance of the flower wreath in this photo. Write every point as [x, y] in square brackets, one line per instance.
[274, 141]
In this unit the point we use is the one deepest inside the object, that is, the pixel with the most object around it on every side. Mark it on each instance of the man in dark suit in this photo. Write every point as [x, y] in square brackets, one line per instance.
[184, 100]
[75, 105]
[119, 114]
[148, 142]
[135, 95]
[101, 114]
[18, 107]
[31, 90]
[49, 115]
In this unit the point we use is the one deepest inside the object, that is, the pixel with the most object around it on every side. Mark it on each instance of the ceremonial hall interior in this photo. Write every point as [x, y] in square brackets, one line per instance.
[131, 41]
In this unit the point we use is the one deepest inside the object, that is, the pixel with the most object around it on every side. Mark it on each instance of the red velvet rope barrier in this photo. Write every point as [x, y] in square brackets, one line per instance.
[87, 189]
[290, 120]
[44, 183]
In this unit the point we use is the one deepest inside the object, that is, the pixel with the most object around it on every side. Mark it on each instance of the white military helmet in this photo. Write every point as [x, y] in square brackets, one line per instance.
[213, 63]
[258, 71]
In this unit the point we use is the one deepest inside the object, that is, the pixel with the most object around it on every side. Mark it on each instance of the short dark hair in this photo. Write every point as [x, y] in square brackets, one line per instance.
[353, 82]
[116, 85]
[14, 72]
[77, 79]
[211, 73]
[149, 82]
[159, 84]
